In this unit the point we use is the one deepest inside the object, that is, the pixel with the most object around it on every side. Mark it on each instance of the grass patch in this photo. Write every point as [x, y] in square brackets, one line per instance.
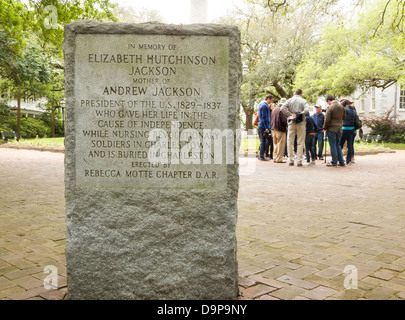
[41, 142]
[247, 144]
[369, 146]
[358, 146]
[395, 146]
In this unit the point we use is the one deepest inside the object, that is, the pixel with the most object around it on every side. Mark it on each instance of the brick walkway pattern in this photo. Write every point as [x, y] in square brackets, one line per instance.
[298, 228]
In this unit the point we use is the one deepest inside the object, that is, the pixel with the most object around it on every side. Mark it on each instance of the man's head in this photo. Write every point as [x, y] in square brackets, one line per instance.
[269, 98]
[330, 99]
[298, 92]
[318, 109]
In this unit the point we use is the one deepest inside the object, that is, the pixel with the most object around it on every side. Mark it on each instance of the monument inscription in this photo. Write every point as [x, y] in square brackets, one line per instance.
[151, 160]
[149, 111]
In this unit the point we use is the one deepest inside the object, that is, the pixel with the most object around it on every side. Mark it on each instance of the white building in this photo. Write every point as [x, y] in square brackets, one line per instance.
[377, 101]
[29, 107]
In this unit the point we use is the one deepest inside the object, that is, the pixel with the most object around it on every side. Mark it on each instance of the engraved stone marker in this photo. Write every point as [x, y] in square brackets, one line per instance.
[151, 168]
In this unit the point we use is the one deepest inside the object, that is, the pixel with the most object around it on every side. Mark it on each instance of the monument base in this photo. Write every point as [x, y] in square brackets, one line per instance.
[142, 225]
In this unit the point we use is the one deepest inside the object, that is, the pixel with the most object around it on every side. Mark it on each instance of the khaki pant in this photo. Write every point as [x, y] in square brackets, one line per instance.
[298, 130]
[279, 138]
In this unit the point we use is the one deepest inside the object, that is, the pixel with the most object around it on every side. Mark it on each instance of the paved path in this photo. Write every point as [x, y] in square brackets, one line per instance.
[32, 223]
[298, 228]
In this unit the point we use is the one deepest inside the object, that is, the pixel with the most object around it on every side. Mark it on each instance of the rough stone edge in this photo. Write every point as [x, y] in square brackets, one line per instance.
[94, 27]
[234, 78]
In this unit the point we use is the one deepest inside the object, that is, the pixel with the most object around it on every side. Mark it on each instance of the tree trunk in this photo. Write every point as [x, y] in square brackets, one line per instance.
[279, 90]
[52, 119]
[18, 116]
[249, 119]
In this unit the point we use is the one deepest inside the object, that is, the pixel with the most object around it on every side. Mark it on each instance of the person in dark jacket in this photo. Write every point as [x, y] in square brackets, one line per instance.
[309, 139]
[319, 119]
[270, 149]
[348, 130]
[334, 116]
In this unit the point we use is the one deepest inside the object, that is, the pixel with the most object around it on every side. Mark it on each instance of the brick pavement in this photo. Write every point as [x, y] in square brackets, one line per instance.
[32, 223]
[298, 228]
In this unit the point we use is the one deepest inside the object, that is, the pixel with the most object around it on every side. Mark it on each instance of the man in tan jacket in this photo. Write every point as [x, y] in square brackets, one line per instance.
[335, 114]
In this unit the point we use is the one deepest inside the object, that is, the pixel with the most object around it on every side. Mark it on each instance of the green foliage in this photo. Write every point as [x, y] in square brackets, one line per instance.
[31, 46]
[272, 46]
[15, 20]
[42, 142]
[30, 128]
[138, 15]
[46, 118]
[5, 116]
[6, 123]
[31, 35]
[387, 127]
[25, 72]
[4, 109]
[283, 7]
[353, 54]
[395, 146]
[45, 19]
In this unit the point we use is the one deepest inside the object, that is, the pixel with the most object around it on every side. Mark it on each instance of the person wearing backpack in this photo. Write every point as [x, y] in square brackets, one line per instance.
[309, 139]
[348, 130]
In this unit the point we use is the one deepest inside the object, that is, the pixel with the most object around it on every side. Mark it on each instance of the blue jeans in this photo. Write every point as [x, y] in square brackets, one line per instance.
[264, 143]
[348, 135]
[335, 149]
[320, 139]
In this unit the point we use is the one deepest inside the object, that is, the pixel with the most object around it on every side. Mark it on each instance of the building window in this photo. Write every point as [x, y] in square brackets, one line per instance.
[362, 104]
[402, 98]
[372, 99]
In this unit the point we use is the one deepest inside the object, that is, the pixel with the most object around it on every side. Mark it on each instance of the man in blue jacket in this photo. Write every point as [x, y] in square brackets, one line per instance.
[319, 119]
[264, 126]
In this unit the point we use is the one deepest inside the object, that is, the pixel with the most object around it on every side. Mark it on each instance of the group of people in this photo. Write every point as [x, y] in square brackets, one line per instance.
[288, 125]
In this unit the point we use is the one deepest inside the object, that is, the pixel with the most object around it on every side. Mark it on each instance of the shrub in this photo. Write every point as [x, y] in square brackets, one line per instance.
[4, 109]
[5, 116]
[46, 118]
[386, 127]
[30, 128]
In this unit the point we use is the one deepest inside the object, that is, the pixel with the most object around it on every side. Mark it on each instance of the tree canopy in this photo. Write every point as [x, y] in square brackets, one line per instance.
[357, 53]
[44, 19]
[275, 37]
[31, 38]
